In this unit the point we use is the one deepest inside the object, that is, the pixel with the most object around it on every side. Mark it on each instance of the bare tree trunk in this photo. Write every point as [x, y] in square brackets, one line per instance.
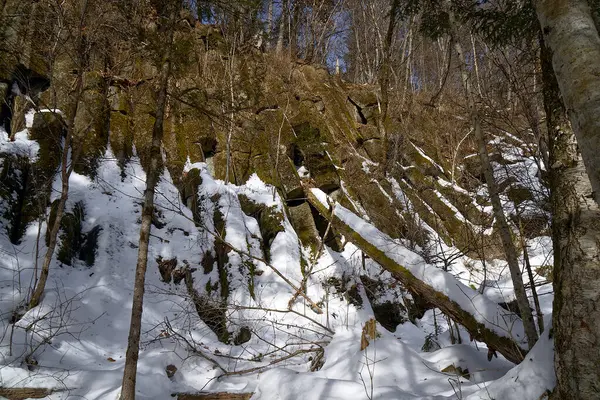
[66, 169]
[384, 78]
[576, 239]
[280, 35]
[152, 178]
[536, 300]
[505, 234]
[408, 60]
[269, 24]
[476, 65]
[570, 32]
[294, 22]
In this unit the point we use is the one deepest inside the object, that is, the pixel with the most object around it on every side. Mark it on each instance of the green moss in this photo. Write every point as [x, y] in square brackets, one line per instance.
[25, 196]
[121, 138]
[189, 185]
[303, 222]
[270, 222]
[443, 218]
[92, 123]
[464, 203]
[303, 266]
[310, 141]
[221, 250]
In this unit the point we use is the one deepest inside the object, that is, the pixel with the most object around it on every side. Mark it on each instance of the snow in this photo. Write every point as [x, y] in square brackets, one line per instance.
[425, 156]
[303, 172]
[400, 372]
[21, 146]
[78, 334]
[528, 380]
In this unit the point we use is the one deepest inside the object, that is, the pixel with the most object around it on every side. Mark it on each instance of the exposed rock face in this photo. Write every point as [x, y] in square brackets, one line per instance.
[26, 184]
[292, 124]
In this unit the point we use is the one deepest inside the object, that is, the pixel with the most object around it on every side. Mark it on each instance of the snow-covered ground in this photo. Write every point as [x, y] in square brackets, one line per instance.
[77, 337]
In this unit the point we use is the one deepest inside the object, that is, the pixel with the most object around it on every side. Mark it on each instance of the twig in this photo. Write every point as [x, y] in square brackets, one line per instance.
[287, 357]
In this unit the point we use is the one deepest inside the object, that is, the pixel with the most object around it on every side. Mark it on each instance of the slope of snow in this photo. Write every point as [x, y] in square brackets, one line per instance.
[78, 334]
[528, 380]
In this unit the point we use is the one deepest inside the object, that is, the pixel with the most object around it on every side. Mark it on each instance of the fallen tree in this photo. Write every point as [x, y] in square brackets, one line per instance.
[26, 393]
[213, 396]
[485, 320]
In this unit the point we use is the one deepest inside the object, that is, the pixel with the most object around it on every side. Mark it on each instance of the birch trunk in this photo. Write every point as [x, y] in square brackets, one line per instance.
[281, 33]
[576, 239]
[570, 32]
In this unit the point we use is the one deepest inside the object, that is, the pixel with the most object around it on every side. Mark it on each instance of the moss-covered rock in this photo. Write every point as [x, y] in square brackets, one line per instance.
[303, 222]
[519, 194]
[211, 311]
[21, 203]
[244, 335]
[92, 123]
[388, 313]
[121, 138]
[71, 234]
[190, 183]
[26, 184]
[374, 195]
[270, 222]
[221, 250]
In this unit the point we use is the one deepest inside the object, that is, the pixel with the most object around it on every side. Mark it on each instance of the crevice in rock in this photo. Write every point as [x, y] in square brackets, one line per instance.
[359, 113]
[267, 108]
[295, 197]
[269, 222]
[331, 240]
[296, 155]
[329, 188]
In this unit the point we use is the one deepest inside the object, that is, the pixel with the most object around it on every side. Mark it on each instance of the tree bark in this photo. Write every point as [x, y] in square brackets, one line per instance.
[536, 299]
[281, 33]
[569, 31]
[384, 78]
[576, 240]
[66, 169]
[503, 228]
[269, 24]
[152, 178]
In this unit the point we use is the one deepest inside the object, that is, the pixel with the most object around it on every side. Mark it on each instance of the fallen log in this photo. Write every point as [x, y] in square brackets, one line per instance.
[486, 321]
[213, 396]
[25, 393]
